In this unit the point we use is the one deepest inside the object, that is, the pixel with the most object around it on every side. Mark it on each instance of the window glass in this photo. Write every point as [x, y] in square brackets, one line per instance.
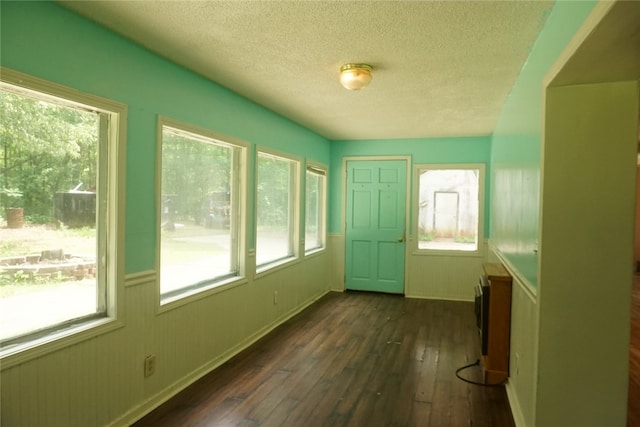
[198, 212]
[54, 229]
[314, 209]
[448, 208]
[275, 200]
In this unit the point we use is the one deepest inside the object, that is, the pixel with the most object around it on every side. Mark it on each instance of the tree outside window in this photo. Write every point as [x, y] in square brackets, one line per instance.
[276, 208]
[199, 210]
[58, 183]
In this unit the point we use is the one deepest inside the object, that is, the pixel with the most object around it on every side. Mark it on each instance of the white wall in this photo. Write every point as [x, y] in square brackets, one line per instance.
[521, 387]
[431, 276]
[516, 197]
[100, 381]
[586, 254]
[448, 277]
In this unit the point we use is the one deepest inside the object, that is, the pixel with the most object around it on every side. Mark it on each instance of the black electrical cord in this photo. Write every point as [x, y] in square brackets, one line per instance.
[476, 363]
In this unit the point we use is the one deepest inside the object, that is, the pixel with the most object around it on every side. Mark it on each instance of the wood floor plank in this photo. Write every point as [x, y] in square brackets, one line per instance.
[633, 405]
[259, 401]
[351, 359]
[420, 414]
[396, 400]
[479, 407]
[357, 385]
[441, 405]
[215, 413]
[427, 375]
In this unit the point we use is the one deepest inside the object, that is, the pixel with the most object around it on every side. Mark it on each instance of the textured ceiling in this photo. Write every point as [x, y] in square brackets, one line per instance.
[441, 68]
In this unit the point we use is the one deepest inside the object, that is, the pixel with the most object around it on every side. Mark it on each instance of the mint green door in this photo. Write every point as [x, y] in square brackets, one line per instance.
[375, 225]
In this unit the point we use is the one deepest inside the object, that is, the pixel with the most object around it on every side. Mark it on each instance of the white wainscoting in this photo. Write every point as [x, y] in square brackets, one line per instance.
[100, 381]
[335, 245]
[448, 277]
[521, 387]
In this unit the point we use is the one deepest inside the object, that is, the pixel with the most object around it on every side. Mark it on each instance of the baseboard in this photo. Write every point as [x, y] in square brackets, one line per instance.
[518, 418]
[164, 395]
[439, 298]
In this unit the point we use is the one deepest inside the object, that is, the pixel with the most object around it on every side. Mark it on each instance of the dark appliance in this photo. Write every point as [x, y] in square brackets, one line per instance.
[483, 291]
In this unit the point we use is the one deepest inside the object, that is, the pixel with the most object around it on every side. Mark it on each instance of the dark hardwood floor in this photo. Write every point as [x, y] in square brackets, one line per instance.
[351, 359]
[633, 413]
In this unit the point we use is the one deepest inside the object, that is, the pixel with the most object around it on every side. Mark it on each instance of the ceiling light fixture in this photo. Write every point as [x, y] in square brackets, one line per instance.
[355, 76]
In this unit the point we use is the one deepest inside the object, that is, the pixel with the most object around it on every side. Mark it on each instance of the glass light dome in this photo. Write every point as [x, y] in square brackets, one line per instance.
[355, 76]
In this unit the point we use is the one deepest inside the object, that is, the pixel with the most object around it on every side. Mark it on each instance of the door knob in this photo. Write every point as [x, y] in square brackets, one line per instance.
[401, 239]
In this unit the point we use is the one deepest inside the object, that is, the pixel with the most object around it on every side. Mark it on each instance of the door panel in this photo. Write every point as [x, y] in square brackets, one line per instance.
[389, 211]
[361, 217]
[361, 259]
[375, 247]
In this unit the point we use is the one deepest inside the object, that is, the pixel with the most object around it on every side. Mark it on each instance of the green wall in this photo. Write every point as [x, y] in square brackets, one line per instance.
[516, 145]
[62, 47]
[424, 150]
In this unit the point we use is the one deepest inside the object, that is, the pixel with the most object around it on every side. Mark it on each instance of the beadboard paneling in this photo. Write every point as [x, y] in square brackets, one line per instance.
[523, 354]
[443, 276]
[100, 381]
[335, 244]
[449, 277]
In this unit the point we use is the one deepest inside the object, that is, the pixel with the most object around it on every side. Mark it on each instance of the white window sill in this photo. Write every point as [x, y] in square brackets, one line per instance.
[19, 353]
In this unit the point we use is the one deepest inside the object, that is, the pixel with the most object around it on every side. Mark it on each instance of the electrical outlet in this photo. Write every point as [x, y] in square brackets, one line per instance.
[275, 297]
[149, 365]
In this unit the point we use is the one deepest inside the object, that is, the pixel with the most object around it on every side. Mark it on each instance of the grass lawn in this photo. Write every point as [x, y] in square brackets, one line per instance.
[28, 302]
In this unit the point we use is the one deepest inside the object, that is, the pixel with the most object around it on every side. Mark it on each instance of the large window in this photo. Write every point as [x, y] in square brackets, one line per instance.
[276, 201]
[199, 210]
[449, 207]
[59, 242]
[315, 205]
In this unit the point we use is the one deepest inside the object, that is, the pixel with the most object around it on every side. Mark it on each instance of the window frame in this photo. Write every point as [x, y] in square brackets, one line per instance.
[205, 288]
[322, 172]
[110, 281]
[295, 210]
[418, 169]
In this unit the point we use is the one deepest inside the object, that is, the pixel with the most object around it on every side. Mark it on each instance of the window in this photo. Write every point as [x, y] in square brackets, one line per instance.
[449, 207]
[315, 201]
[59, 187]
[276, 208]
[199, 210]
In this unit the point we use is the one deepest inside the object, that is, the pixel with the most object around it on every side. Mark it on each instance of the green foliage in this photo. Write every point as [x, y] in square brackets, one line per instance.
[191, 170]
[45, 148]
[11, 192]
[311, 201]
[465, 239]
[37, 219]
[5, 280]
[426, 237]
[10, 285]
[85, 232]
[8, 248]
[273, 195]
[19, 277]
[10, 197]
